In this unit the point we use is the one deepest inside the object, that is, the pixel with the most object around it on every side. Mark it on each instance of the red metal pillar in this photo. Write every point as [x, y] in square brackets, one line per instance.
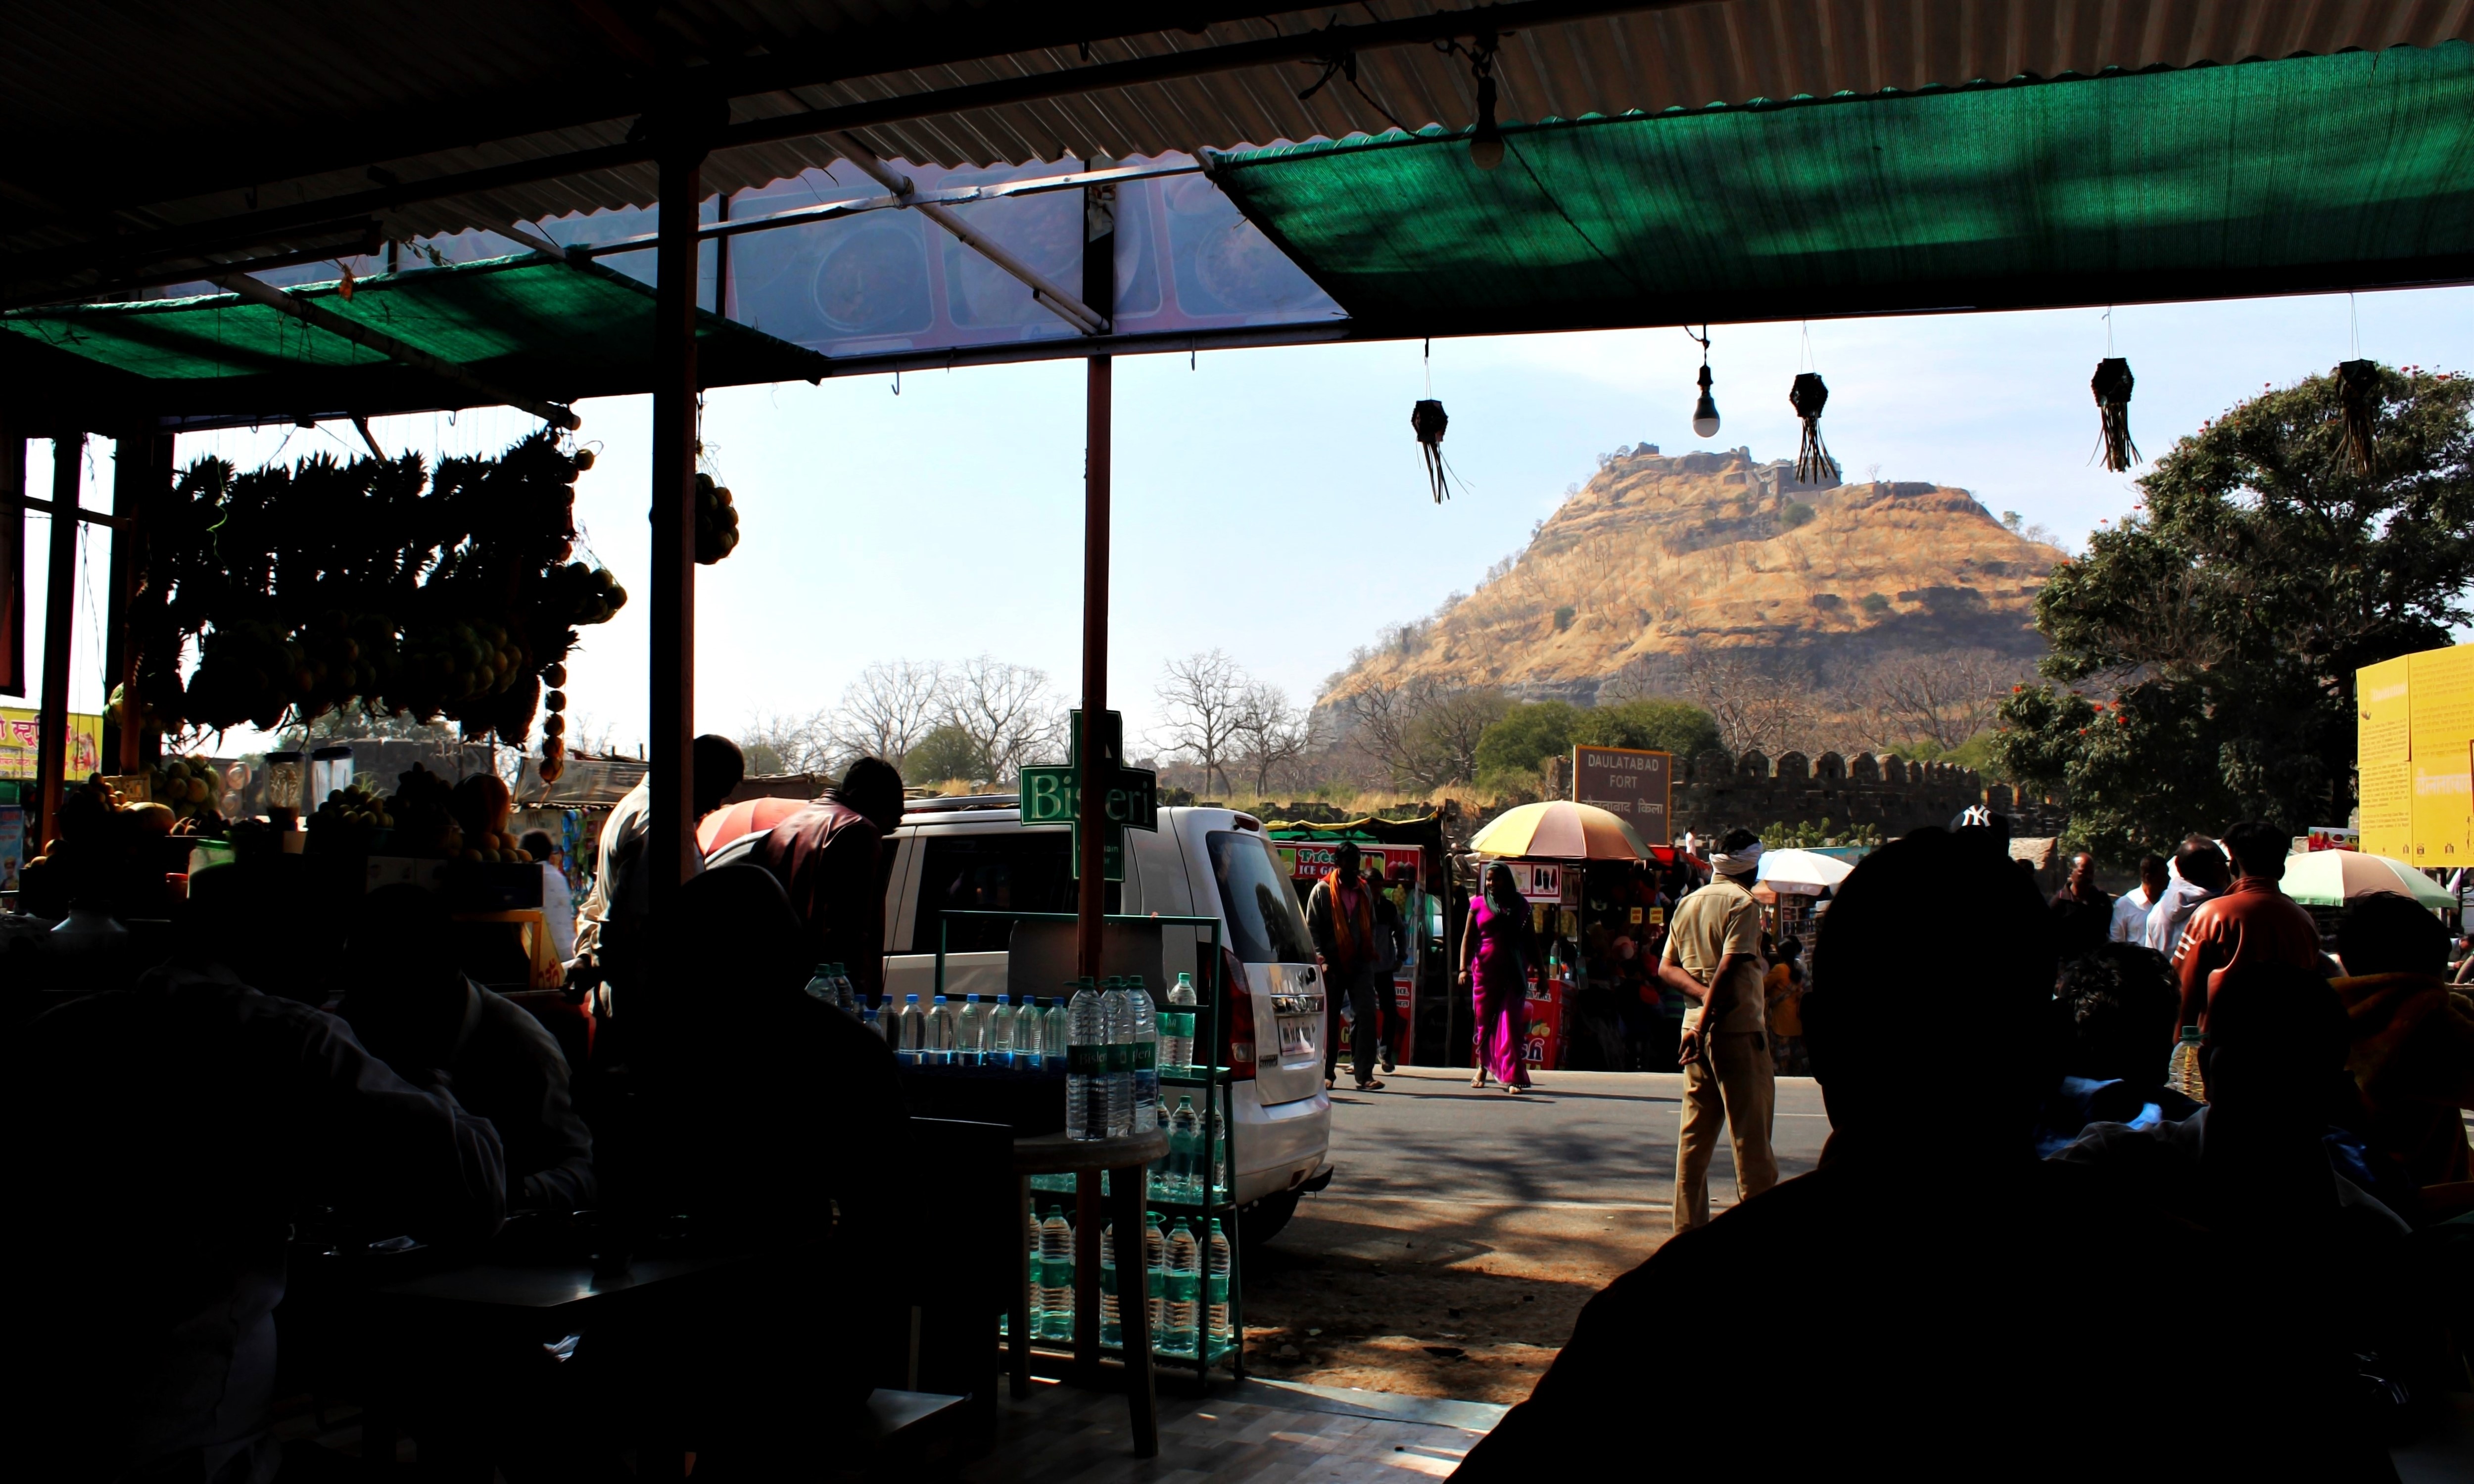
[59, 618]
[669, 845]
[141, 476]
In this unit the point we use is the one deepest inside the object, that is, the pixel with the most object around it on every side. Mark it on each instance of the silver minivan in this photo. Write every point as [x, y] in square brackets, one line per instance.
[974, 854]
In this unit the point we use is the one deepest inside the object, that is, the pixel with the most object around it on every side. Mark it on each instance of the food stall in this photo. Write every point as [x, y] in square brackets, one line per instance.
[1564, 856]
[1387, 850]
[1794, 886]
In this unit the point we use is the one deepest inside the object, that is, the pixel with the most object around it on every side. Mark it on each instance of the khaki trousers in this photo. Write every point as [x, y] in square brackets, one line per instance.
[1739, 1096]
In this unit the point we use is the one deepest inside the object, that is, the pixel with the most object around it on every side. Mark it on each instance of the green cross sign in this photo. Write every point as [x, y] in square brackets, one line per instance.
[1052, 796]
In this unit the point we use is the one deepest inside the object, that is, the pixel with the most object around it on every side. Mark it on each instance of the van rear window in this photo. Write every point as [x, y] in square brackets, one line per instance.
[1030, 871]
[1264, 923]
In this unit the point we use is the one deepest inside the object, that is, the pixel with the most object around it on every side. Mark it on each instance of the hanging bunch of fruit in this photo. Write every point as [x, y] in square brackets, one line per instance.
[717, 522]
[332, 584]
[189, 786]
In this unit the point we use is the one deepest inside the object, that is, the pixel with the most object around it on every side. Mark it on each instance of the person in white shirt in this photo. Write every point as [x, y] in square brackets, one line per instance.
[2131, 909]
[2199, 872]
[558, 900]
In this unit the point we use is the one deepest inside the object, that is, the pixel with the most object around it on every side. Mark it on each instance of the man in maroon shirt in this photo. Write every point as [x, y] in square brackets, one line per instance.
[828, 858]
[2253, 922]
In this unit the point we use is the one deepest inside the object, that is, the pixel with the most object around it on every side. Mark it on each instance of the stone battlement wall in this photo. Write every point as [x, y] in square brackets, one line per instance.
[1716, 793]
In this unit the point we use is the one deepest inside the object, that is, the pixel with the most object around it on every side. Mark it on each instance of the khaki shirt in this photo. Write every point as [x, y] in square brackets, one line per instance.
[1716, 920]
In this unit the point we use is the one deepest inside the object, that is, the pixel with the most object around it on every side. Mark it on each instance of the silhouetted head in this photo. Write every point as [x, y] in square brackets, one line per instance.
[2153, 875]
[248, 915]
[1346, 859]
[2259, 849]
[406, 996]
[2386, 934]
[1921, 923]
[731, 939]
[2116, 1008]
[2277, 1035]
[872, 788]
[537, 845]
[1502, 893]
[2202, 863]
[2082, 873]
[717, 767]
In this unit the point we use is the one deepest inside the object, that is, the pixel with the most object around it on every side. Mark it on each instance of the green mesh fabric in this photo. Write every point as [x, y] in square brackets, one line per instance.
[538, 325]
[2309, 173]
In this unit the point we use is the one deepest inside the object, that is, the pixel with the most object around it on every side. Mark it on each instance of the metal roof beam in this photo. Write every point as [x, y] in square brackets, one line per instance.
[388, 345]
[1314, 45]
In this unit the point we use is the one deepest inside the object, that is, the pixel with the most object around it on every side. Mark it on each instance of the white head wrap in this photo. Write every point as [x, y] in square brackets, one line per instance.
[1738, 863]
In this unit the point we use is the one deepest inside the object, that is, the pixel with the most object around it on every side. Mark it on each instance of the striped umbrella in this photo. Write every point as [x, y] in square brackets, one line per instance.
[2332, 878]
[747, 817]
[1559, 829]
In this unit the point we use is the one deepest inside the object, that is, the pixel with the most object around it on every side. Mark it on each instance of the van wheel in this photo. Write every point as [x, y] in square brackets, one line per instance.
[1265, 1218]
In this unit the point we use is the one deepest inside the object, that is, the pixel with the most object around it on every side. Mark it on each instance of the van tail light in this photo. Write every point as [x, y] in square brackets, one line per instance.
[1241, 1014]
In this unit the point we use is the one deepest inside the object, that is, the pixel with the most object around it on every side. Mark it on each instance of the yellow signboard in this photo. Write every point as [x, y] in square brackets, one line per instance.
[2416, 757]
[20, 737]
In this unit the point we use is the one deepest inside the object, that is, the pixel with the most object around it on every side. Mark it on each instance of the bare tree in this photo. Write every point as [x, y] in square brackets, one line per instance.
[1423, 733]
[1006, 711]
[1768, 706]
[1271, 733]
[774, 745]
[1204, 694]
[888, 709]
[1942, 699]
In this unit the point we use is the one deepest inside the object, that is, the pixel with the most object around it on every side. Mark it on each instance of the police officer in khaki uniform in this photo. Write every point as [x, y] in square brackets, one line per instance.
[1713, 957]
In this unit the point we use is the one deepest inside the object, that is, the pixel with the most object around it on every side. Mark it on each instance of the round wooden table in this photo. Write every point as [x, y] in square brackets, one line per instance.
[1127, 1161]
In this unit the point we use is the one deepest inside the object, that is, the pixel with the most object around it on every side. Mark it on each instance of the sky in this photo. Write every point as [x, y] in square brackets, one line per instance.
[1271, 503]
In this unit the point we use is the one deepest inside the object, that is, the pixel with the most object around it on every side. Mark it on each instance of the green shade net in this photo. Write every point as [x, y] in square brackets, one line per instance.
[2270, 177]
[529, 325]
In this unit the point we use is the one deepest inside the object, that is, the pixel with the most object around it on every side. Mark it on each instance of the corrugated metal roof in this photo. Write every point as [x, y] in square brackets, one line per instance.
[118, 113]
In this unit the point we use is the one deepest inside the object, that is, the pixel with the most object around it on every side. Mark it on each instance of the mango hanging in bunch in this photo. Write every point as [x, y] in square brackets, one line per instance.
[717, 522]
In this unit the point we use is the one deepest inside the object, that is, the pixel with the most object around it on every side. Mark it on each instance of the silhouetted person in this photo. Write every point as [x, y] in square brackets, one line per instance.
[615, 905]
[162, 1140]
[773, 1123]
[2082, 910]
[1987, 1326]
[2253, 923]
[2113, 1030]
[2131, 909]
[412, 1007]
[2412, 1039]
[831, 859]
[1348, 939]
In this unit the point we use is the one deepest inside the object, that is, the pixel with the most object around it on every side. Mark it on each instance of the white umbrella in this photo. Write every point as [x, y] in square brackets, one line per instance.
[1801, 868]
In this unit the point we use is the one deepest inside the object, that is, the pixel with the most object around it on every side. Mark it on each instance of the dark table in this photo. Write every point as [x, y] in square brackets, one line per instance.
[1127, 1161]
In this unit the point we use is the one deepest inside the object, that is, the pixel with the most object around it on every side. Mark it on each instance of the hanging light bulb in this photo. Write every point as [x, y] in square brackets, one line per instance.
[1486, 141]
[1704, 412]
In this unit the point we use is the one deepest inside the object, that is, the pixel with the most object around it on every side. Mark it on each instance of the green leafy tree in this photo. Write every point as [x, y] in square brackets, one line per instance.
[946, 753]
[1677, 726]
[2203, 651]
[1514, 748]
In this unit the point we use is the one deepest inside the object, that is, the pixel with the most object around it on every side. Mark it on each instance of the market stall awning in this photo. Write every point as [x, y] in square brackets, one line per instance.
[2310, 173]
[551, 329]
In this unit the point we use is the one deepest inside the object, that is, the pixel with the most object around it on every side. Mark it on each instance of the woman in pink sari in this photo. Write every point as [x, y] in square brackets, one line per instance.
[1495, 954]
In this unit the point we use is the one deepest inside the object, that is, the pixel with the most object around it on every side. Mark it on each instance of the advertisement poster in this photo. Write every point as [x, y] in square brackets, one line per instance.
[20, 737]
[1542, 1038]
[1310, 860]
[12, 845]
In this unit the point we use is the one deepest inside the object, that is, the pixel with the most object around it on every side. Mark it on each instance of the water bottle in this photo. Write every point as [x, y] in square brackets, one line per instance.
[1220, 1130]
[1111, 1331]
[1176, 1045]
[970, 1027]
[1056, 1030]
[1001, 1032]
[1185, 1290]
[845, 992]
[2182, 1074]
[1087, 1072]
[1154, 1275]
[1031, 1036]
[1181, 992]
[1144, 1044]
[1057, 1276]
[867, 1018]
[1184, 1148]
[821, 984]
[1215, 1288]
[1035, 1300]
[940, 1032]
[1119, 1024]
[911, 1029]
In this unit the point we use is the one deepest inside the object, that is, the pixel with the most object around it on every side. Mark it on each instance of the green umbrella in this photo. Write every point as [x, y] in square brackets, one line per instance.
[2332, 878]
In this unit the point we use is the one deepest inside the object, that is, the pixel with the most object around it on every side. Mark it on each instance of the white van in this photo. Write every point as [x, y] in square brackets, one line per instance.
[974, 854]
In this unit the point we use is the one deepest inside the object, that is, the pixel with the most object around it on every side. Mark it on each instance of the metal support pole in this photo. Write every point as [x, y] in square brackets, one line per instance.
[1099, 283]
[13, 559]
[59, 618]
[141, 474]
[669, 846]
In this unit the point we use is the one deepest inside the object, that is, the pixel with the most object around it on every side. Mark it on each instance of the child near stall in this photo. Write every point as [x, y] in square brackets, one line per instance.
[1784, 991]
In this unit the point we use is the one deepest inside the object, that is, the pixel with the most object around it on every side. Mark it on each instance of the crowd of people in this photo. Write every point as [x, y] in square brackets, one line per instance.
[273, 1092]
[2023, 1254]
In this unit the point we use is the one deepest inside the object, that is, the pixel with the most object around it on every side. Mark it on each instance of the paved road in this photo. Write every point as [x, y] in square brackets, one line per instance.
[1464, 1230]
[1594, 1138]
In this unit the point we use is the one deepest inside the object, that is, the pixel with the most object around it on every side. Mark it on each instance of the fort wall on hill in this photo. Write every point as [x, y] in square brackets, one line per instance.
[1880, 792]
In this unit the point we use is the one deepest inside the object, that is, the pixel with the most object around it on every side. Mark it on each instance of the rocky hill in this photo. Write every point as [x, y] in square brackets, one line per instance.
[1661, 555]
